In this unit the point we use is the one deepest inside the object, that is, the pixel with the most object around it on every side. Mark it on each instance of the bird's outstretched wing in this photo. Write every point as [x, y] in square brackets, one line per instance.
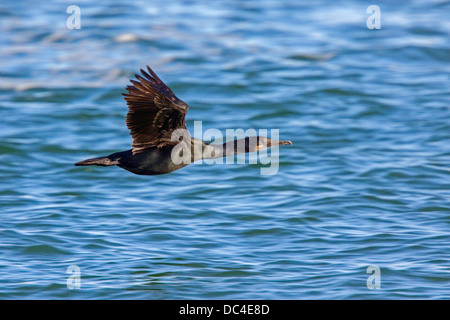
[154, 112]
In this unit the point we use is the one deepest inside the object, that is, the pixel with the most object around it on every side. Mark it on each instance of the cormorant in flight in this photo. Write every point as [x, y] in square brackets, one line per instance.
[156, 119]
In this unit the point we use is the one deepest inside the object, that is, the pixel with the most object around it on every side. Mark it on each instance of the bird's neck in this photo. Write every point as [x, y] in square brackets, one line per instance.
[214, 151]
[231, 148]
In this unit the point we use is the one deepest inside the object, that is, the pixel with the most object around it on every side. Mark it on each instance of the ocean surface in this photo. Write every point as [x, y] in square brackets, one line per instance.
[365, 183]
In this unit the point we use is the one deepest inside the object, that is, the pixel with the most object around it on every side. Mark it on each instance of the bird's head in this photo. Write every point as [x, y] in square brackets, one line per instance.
[264, 143]
[256, 143]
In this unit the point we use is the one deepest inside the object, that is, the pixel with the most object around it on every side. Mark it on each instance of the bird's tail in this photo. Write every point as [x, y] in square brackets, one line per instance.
[102, 161]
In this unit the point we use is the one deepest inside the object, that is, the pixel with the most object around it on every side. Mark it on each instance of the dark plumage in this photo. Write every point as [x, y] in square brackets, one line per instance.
[154, 115]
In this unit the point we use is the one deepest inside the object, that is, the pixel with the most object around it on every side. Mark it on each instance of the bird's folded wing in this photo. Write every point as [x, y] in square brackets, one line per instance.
[154, 112]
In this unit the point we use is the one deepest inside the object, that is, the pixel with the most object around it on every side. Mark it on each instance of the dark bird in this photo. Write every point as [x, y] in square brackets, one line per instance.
[156, 120]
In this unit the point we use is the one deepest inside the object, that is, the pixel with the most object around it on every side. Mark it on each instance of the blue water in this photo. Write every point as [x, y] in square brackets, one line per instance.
[366, 181]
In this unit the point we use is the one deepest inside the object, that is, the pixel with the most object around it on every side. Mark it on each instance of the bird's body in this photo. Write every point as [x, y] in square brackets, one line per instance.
[151, 161]
[156, 119]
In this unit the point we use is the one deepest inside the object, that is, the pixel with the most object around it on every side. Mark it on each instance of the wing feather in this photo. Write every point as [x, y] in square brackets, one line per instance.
[154, 112]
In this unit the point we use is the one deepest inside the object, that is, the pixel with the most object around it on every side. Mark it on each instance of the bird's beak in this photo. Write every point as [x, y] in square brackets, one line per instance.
[275, 143]
[284, 143]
